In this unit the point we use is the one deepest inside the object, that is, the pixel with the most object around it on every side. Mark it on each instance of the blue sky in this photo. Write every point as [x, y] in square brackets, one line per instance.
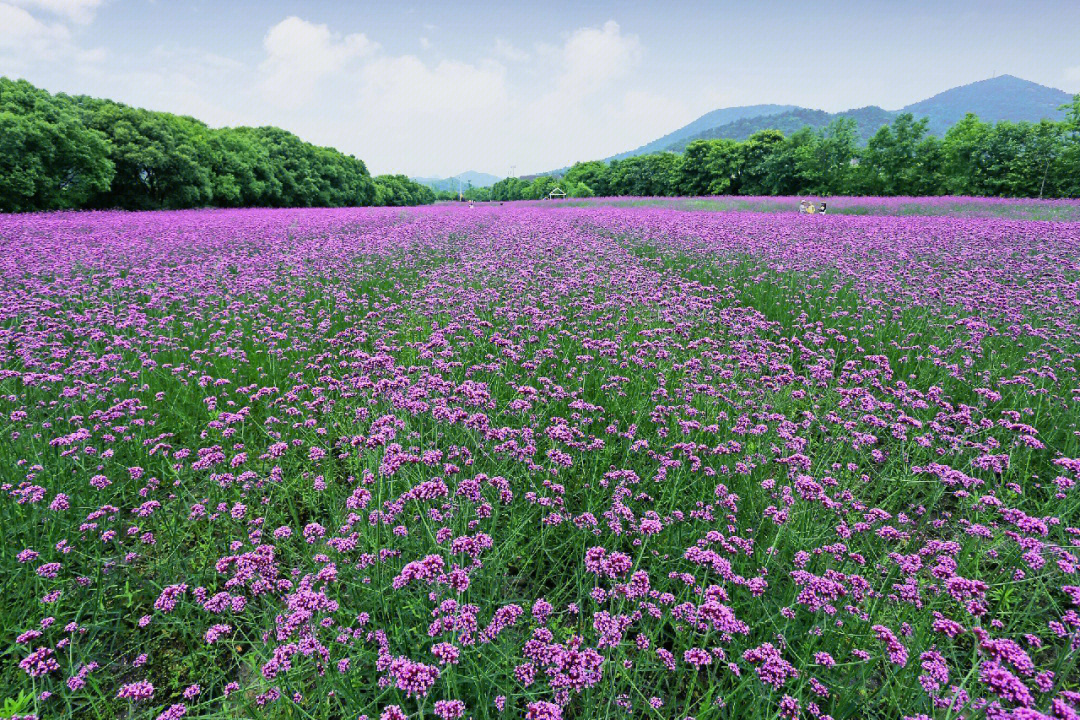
[438, 88]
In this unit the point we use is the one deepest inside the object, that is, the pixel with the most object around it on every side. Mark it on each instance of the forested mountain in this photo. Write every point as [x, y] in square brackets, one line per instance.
[867, 121]
[1002, 159]
[68, 152]
[1000, 98]
[714, 119]
[677, 139]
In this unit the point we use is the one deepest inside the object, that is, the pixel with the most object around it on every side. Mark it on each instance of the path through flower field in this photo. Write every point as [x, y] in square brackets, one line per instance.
[539, 462]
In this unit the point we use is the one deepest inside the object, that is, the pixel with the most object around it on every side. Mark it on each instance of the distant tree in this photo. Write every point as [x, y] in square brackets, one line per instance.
[791, 166]
[596, 175]
[724, 160]
[580, 190]
[69, 152]
[829, 168]
[399, 190]
[928, 177]
[694, 176]
[478, 194]
[890, 164]
[540, 187]
[1035, 168]
[965, 147]
[709, 167]
[656, 174]
[1008, 159]
[161, 160]
[49, 160]
[59, 151]
[1070, 159]
[752, 172]
[509, 189]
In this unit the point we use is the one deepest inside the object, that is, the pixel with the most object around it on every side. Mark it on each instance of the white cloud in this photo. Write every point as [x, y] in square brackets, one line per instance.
[93, 56]
[300, 53]
[584, 114]
[592, 57]
[29, 43]
[425, 43]
[414, 117]
[20, 30]
[1072, 75]
[391, 110]
[404, 86]
[508, 52]
[650, 114]
[79, 11]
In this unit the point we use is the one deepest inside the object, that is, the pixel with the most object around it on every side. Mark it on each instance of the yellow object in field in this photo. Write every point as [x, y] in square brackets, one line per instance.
[811, 209]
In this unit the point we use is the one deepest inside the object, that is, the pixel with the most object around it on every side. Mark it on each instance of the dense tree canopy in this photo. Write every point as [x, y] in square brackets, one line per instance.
[399, 190]
[60, 152]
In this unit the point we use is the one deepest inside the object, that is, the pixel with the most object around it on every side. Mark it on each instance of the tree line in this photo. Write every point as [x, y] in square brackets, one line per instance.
[1006, 159]
[70, 152]
[60, 152]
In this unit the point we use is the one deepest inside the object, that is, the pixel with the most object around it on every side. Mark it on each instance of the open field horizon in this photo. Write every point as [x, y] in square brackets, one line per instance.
[1052, 209]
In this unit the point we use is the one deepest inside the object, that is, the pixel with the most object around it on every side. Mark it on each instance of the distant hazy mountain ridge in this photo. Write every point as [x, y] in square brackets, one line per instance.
[468, 178]
[716, 118]
[868, 120]
[1000, 98]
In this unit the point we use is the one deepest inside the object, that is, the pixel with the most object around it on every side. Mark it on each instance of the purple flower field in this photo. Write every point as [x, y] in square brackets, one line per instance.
[539, 461]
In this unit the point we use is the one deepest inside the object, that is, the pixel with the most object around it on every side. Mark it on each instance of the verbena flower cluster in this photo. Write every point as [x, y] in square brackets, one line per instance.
[531, 461]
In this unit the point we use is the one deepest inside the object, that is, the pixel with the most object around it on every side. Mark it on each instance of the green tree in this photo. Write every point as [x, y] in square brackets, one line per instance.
[1007, 159]
[48, 159]
[646, 175]
[830, 168]
[509, 189]
[708, 167]
[399, 190]
[1070, 156]
[596, 175]
[791, 165]
[754, 153]
[160, 159]
[892, 163]
[580, 190]
[1045, 152]
[540, 187]
[50, 165]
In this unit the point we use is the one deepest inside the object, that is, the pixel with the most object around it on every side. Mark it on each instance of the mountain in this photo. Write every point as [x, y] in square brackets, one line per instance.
[867, 120]
[716, 118]
[1004, 97]
[1001, 98]
[470, 177]
[708, 121]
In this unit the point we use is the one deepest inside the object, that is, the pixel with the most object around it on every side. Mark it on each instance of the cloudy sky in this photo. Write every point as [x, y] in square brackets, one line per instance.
[442, 87]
